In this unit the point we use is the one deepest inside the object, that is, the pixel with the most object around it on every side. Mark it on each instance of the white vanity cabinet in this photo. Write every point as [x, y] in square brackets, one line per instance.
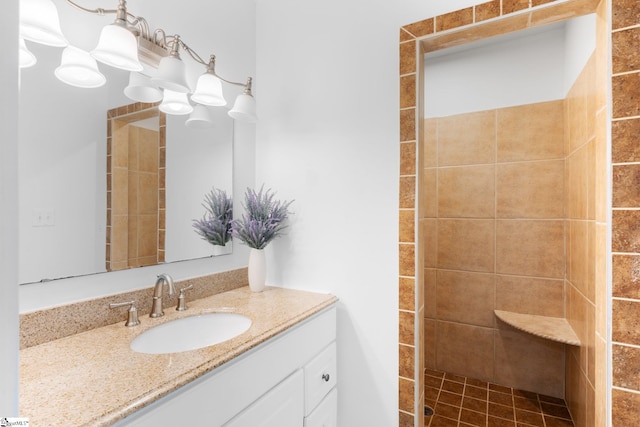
[289, 380]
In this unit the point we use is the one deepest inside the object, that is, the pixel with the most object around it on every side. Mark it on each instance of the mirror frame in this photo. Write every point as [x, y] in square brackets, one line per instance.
[463, 26]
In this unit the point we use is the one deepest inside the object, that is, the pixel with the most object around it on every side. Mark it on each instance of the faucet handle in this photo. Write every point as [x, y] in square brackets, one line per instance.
[132, 314]
[182, 303]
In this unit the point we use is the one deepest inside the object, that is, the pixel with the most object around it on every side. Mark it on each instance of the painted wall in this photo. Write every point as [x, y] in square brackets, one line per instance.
[9, 213]
[328, 138]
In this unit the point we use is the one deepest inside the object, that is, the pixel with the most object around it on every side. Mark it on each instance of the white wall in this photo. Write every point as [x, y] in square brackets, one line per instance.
[9, 212]
[526, 67]
[328, 138]
[521, 68]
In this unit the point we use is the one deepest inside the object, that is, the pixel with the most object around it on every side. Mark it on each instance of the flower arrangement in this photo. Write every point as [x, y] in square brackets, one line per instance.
[215, 225]
[263, 219]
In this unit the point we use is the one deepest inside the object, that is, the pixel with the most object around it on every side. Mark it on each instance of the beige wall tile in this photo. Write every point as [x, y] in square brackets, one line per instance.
[406, 395]
[530, 247]
[465, 297]
[430, 242]
[133, 189]
[133, 237]
[626, 322]
[578, 261]
[453, 342]
[577, 317]
[148, 193]
[147, 150]
[466, 192]
[430, 143]
[147, 235]
[531, 132]
[408, 158]
[407, 293]
[430, 296]
[530, 190]
[406, 332]
[576, 114]
[119, 193]
[626, 191]
[624, 141]
[626, 371]
[406, 225]
[625, 407]
[408, 125]
[473, 145]
[626, 276]
[527, 362]
[466, 244]
[577, 186]
[430, 344]
[428, 193]
[119, 238]
[530, 295]
[408, 192]
[406, 360]
[407, 259]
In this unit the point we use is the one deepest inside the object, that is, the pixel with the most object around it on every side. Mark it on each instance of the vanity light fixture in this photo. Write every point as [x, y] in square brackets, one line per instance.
[200, 118]
[141, 89]
[78, 68]
[26, 58]
[209, 87]
[128, 44]
[175, 103]
[245, 106]
[39, 22]
[172, 72]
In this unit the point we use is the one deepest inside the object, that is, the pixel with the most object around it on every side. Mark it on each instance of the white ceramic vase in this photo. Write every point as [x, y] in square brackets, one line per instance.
[257, 270]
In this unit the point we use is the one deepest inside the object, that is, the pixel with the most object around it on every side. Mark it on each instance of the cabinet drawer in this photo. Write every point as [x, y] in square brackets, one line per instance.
[326, 414]
[320, 376]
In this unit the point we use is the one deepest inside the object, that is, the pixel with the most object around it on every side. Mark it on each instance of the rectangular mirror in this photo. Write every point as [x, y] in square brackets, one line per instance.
[63, 174]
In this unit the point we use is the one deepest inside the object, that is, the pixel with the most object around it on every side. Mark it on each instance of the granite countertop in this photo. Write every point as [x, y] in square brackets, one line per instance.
[94, 379]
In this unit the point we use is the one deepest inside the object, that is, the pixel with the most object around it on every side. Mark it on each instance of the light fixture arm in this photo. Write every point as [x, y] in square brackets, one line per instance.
[122, 14]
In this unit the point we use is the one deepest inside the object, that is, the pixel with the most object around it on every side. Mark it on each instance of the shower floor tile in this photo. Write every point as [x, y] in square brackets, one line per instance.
[465, 402]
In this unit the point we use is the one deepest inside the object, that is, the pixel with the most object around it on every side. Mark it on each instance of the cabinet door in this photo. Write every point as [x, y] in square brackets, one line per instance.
[282, 406]
[326, 413]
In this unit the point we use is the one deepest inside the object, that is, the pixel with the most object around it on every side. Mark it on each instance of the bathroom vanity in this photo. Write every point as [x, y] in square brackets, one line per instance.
[280, 372]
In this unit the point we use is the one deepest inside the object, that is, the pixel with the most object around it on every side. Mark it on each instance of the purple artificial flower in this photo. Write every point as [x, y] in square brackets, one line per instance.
[215, 225]
[263, 219]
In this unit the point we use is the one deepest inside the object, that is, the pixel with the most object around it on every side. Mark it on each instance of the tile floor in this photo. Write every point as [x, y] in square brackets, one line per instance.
[462, 402]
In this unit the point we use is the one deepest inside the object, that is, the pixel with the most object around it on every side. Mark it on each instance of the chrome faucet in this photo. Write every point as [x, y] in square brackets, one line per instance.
[156, 307]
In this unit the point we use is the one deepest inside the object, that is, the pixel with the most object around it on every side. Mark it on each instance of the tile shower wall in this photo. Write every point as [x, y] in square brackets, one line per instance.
[493, 227]
[504, 16]
[625, 129]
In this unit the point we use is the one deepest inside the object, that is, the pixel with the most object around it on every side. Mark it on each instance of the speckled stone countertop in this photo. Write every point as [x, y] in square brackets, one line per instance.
[94, 379]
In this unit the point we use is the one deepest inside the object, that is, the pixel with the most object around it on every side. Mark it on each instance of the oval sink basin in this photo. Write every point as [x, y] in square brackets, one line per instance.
[191, 333]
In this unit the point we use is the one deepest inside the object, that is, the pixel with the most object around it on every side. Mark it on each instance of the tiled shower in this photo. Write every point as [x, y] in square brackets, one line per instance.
[578, 293]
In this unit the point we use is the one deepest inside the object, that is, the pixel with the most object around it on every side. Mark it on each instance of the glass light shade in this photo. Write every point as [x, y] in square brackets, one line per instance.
[78, 68]
[209, 91]
[118, 48]
[175, 103]
[172, 75]
[141, 89]
[39, 22]
[199, 118]
[27, 59]
[244, 109]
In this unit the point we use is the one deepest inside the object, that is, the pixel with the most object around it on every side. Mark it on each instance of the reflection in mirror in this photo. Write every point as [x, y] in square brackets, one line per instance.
[63, 169]
[135, 186]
